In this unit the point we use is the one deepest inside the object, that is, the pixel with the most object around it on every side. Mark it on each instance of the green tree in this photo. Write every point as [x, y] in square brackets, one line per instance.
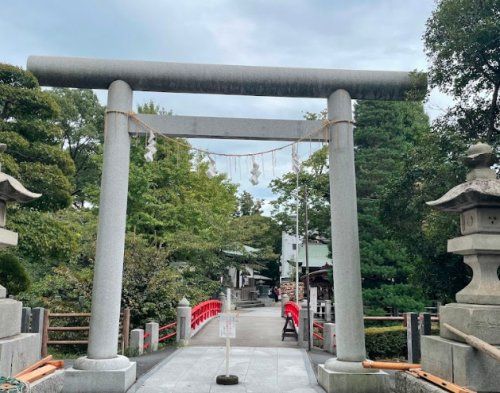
[384, 133]
[34, 141]
[248, 206]
[81, 120]
[462, 42]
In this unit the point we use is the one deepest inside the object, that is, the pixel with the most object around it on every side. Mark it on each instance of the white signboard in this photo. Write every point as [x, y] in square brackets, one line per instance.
[227, 325]
[313, 292]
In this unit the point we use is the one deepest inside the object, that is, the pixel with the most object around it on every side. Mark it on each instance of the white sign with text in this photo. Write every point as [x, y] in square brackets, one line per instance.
[227, 325]
[313, 291]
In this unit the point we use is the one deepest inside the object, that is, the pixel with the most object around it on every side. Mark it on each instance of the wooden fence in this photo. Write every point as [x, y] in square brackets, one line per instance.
[68, 323]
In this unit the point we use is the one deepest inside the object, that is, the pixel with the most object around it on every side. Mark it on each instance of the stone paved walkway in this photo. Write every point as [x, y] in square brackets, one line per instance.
[263, 363]
[260, 370]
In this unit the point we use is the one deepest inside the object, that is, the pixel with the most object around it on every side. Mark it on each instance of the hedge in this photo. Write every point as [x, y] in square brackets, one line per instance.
[387, 342]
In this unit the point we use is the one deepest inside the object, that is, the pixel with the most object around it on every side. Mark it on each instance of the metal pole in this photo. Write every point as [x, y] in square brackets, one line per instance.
[297, 241]
[306, 241]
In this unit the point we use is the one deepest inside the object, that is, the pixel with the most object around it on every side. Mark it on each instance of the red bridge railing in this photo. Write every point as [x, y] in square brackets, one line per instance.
[171, 330]
[293, 309]
[199, 314]
[318, 331]
[203, 311]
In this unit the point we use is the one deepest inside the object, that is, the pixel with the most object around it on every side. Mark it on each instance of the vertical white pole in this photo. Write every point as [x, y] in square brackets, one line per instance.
[345, 243]
[228, 309]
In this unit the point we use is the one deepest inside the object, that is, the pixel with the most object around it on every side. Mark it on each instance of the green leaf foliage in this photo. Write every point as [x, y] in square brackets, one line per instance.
[13, 275]
[385, 132]
[462, 42]
[34, 142]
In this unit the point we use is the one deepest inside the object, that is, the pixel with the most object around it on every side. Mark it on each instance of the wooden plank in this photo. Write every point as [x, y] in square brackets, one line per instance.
[475, 342]
[34, 366]
[389, 365]
[37, 374]
[126, 327]
[449, 386]
[70, 314]
[67, 328]
[45, 332]
[67, 342]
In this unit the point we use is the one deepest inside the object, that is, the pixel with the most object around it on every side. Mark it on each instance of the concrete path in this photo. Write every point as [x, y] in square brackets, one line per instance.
[263, 363]
[260, 370]
[255, 327]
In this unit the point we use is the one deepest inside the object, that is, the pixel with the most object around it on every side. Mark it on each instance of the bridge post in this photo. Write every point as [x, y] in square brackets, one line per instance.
[183, 322]
[329, 338]
[328, 310]
[137, 341]
[284, 300]
[345, 373]
[103, 369]
[305, 325]
[152, 332]
[222, 299]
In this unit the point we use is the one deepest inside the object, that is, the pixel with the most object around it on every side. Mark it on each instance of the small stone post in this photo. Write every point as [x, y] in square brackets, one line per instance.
[137, 341]
[284, 300]
[152, 336]
[222, 299]
[25, 320]
[37, 319]
[183, 322]
[328, 310]
[305, 329]
[412, 337]
[329, 338]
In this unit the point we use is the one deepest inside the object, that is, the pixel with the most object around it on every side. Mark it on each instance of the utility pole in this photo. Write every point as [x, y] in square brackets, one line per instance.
[306, 241]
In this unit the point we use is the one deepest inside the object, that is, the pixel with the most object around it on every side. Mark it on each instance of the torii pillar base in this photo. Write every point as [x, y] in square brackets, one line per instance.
[100, 380]
[359, 379]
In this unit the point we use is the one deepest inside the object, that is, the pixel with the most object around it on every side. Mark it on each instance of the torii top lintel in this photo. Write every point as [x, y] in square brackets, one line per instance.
[218, 79]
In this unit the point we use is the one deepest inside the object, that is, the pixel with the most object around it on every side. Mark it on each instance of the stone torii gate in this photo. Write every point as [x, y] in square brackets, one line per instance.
[103, 369]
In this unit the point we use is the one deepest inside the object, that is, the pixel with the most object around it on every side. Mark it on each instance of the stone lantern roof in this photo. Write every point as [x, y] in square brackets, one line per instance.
[11, 190]
[481, 188]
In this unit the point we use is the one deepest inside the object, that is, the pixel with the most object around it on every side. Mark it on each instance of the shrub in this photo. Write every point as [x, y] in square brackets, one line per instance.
[388, 342]
[13, 276]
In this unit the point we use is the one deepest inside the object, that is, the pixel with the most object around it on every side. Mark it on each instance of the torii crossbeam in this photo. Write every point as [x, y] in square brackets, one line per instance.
[103, 370]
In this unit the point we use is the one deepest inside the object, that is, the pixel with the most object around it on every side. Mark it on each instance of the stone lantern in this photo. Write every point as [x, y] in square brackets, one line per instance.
[477, 311]
[17, 350]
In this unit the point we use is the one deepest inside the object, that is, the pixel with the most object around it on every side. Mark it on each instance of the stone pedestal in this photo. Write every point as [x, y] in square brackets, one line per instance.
[116, 380]
[52, 383]
[17, 350]
[345, 381]
[480, 320]
[461, 364]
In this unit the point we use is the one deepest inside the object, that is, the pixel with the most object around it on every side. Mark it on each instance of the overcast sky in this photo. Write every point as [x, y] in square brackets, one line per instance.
[353, 34]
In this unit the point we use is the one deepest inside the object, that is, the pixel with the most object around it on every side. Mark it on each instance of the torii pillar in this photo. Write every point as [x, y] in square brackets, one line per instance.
[103, 370]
